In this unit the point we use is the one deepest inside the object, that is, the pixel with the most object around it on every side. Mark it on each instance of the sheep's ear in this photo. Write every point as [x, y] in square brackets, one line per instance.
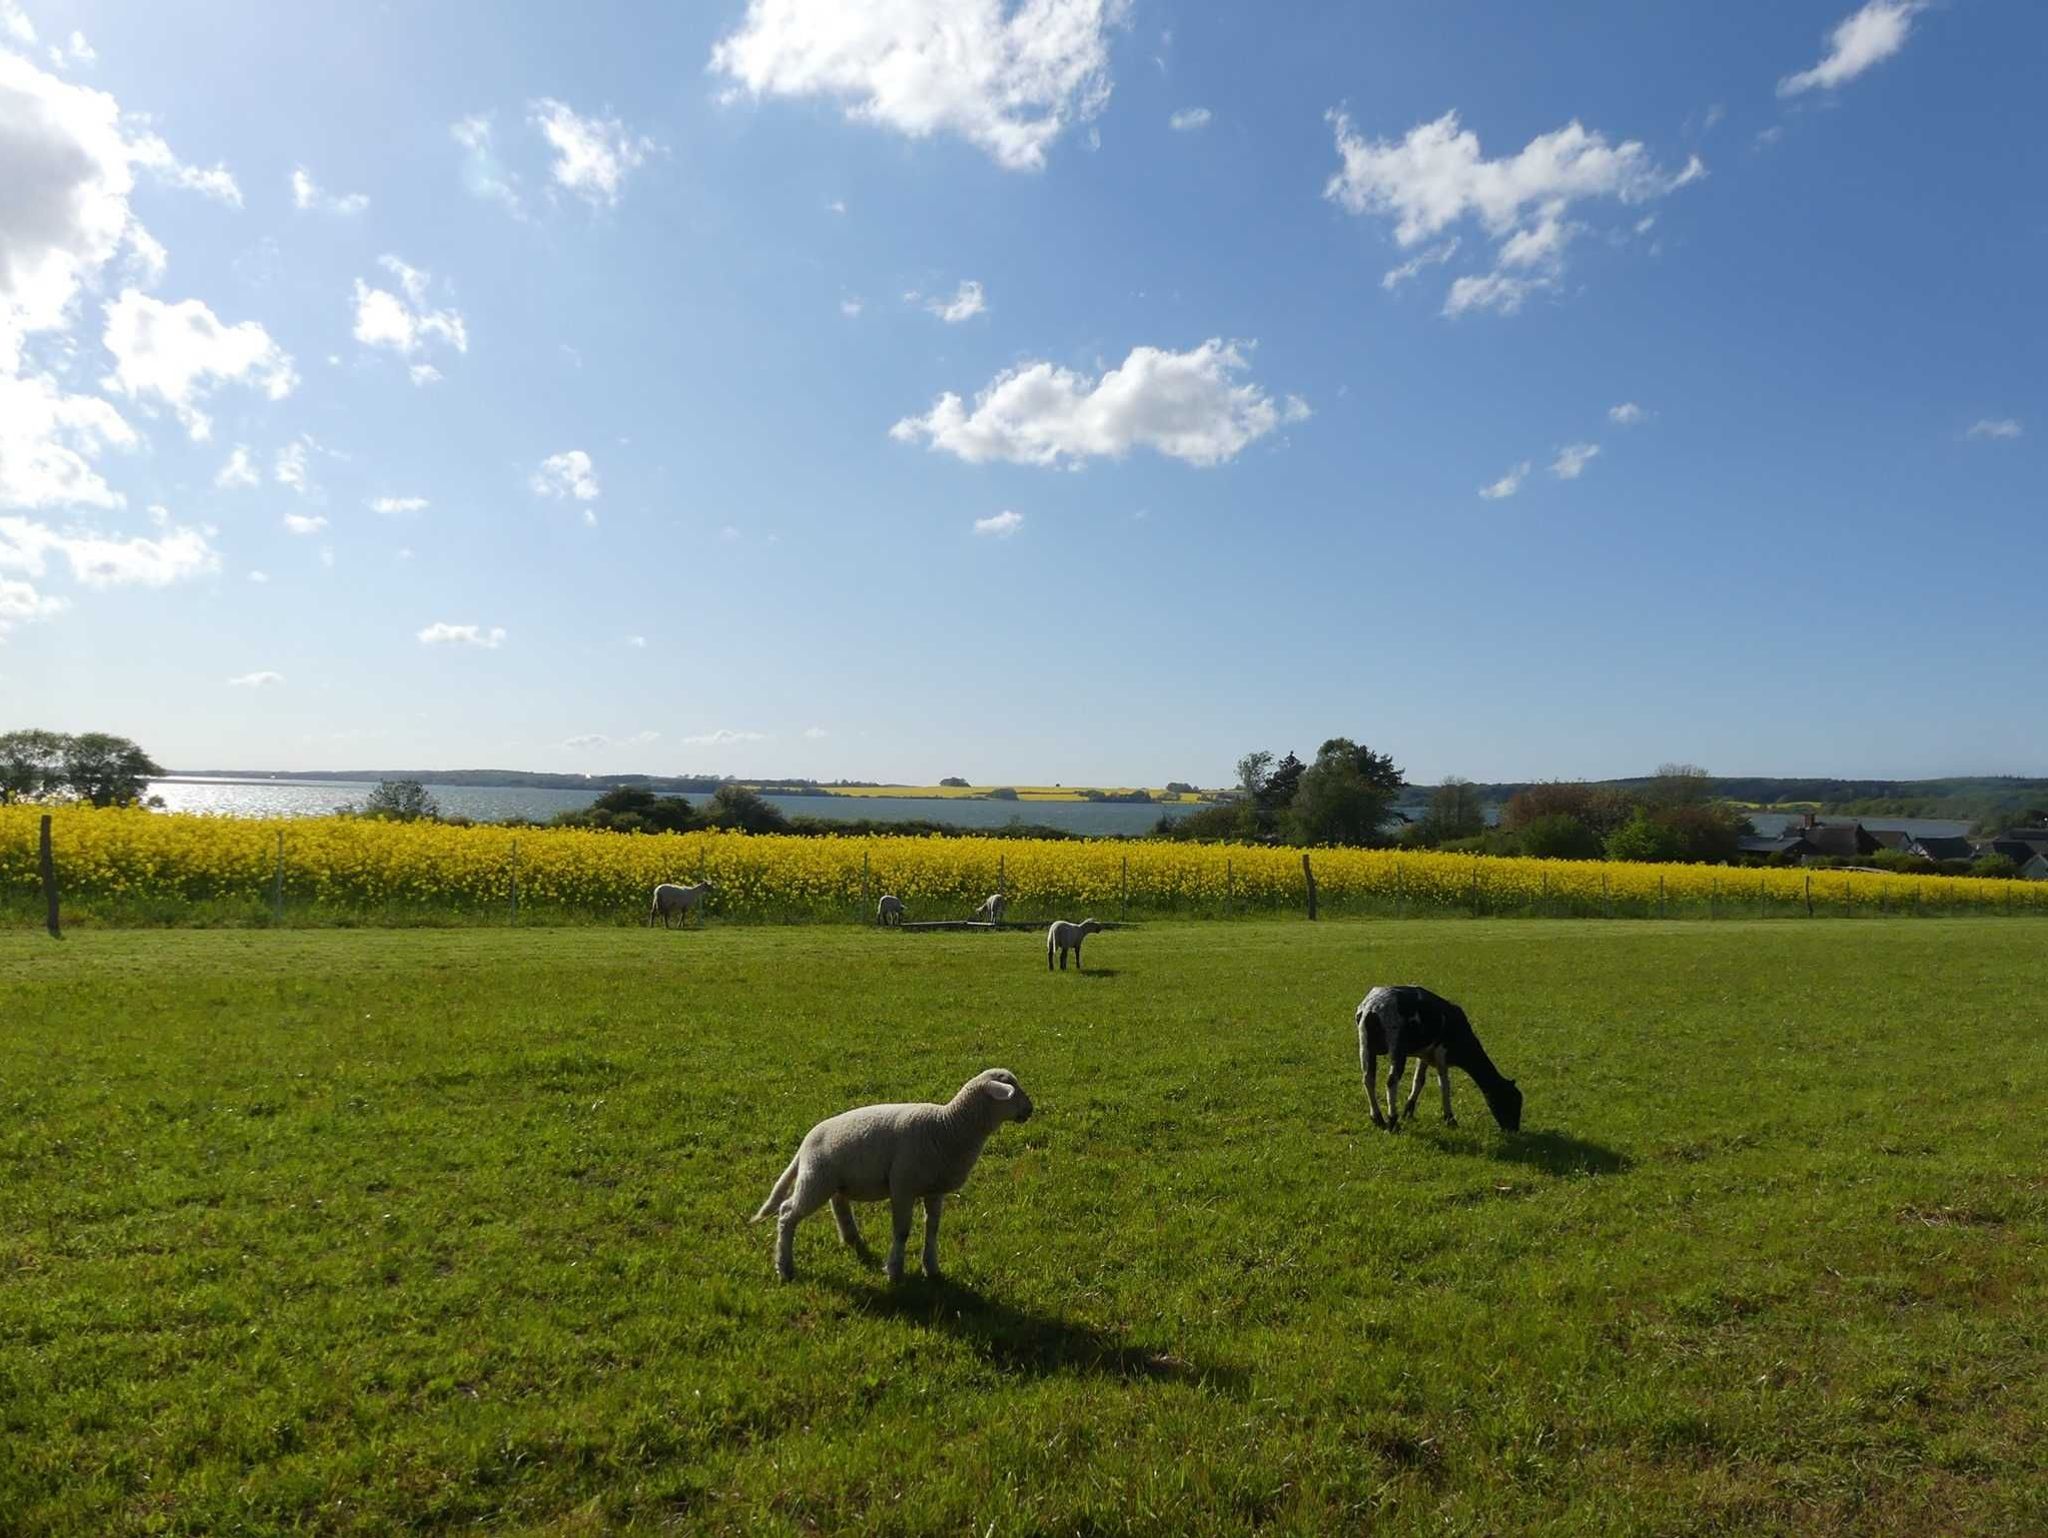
[999, 1089]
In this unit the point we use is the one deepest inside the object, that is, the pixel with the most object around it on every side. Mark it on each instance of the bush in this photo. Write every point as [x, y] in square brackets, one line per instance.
[954, 782]
[1995, 867]
[401, 801]
[1559, 836]
[735, 806]
[1003, 793]
[1640, 838]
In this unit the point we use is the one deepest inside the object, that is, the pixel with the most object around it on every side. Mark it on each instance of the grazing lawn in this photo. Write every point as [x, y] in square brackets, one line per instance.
[359, 1231]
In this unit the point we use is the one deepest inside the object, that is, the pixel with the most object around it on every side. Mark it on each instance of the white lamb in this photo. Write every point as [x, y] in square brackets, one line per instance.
[902, 1152]
[992, 907]
[1064, 937]
[889, 910]
[670, 899]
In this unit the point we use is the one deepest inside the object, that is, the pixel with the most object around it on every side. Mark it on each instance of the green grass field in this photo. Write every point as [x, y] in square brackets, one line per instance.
[358, 1231]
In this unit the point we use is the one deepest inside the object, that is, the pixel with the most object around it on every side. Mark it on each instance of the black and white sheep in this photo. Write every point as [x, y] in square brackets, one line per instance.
[671, 900]
[906, 1153]
[1405, 1022]
[1064, 937]
[889, 910]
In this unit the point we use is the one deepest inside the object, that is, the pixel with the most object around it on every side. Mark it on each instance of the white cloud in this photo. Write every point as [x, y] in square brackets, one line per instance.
[21, 604]
[850, 307]
[637, 642]
[442, 633]
[179, 352]
[291, 466]
[1996, 427]
[259, 577]
[240, 472]
[327, 556]
[396, 506]
[1627, 414]
[305, 524]
[1009, 79]
[48, 442]
[1766, 137]
[837, 206]
[405, 325]
[1435, 256]
[1868, 37]
[216, 182]
[567, 475]
[1508, 484]
[264, 678]
[815, 733]
[1572, 460]
[1188, 119]
[1001, 526]
[482, 172]
[592, 155]
[1188, 406]
[15, 26]
[107, 561]
[423, 374]
[965, 304]
[600, 740]
[1436, 176]
[724, 736]
[308, 197]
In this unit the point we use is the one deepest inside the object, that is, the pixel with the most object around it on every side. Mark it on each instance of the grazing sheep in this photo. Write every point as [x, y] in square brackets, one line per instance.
[1409, 1022]
[902, 1152]
[1064, 937]
[992, 907]
[889, 910]
[670, 899]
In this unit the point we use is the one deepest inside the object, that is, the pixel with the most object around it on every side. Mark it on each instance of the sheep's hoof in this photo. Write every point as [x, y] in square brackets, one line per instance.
[1450, 1121]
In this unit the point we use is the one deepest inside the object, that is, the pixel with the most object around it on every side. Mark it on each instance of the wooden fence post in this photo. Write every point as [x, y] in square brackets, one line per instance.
[1660, 895]
[1400, 892]
[515, 881]
[1229, 884]
[1714, 899]
[1475, 888]
[1543, 902]
[1606, 897]
[48, 864]
[1000, 867]
[864, 906]
[1124, 901]
[1809, 895]
[1308, 879]
[1760, 897]
[277, 883]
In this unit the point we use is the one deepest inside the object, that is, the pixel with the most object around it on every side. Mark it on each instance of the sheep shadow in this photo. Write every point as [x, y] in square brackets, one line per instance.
[1559, 1153]
[1101, 972]
[1018, 1340]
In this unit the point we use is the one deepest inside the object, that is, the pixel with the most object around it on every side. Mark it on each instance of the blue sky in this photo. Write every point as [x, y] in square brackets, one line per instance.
[1078, 392]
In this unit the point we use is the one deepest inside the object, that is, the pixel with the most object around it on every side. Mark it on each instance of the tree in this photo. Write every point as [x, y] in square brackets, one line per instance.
[107, 770]
[402, 801]
[1283, 783]
[1679, 785]
[737, 806]
[1600, 809]
[635, 809]
[1252, 770]
[1454, 812]
[954, 782]
[1557, 836]
[31, 764]
[1344, 796]
[1645, 839]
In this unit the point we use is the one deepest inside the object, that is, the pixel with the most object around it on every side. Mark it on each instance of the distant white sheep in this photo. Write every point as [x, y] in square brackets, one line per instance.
[671, 900]
[889, 910]
[1064, 937]
[992, 907]
[906, 1153]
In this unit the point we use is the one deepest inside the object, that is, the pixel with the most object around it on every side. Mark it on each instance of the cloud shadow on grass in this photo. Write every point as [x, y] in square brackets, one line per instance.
[1017, 1340]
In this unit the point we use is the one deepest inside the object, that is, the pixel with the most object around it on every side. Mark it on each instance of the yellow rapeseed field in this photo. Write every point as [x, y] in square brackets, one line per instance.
[151, 863]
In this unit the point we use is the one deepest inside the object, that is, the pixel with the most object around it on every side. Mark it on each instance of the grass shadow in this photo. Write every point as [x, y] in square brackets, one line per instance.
[1559, 1153]
[1017, 1340]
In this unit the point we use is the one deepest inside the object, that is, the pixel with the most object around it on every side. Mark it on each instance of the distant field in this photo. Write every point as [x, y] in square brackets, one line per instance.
[374, 1231]
[1024, 792]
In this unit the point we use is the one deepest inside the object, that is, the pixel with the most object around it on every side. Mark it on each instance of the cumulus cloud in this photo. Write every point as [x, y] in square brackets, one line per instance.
[1435, 256]
[15, 27]
[307, 196]
[724, 736]
[850, 308]
[49, 441]
[179, 353]
[263, 678]
[1508, 484]
[592, 155]
[637, 642]
[965, 304]
[1627, 414]
[441, 633]
[1436, 176]
[600, 740]
[240, 472]
[292, 466]
[259, 577]
[1861, 40]
[1188, 119]
[1572, 460]
[1996, 427]
[568, 476]
[483, 173]
[405, 325]
[1189, 406]
[305, 524]
[1007, 78]
[423, 374]
[815, 733]
[396, 506]
[215, 181]
[1001, 526]
[96, 560]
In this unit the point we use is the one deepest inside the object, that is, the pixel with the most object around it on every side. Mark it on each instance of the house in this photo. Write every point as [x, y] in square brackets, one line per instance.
[2019, 851]
[1842, 841]
[2036, 869]
[1894, 839]
[1936, 846]
[1787, 845]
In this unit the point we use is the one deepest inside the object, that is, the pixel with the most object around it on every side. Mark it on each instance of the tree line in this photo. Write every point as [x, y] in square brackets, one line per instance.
[98, 767]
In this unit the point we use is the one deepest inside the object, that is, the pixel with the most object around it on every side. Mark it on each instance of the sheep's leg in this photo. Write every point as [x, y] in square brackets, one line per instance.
[903, 1207]
[810, 1194]
[849, 1230]
[1415, 1086]
[933, 1205]
[1077, 955]
[1369, 1065]
[1443, 1077]
[1397, 1063]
